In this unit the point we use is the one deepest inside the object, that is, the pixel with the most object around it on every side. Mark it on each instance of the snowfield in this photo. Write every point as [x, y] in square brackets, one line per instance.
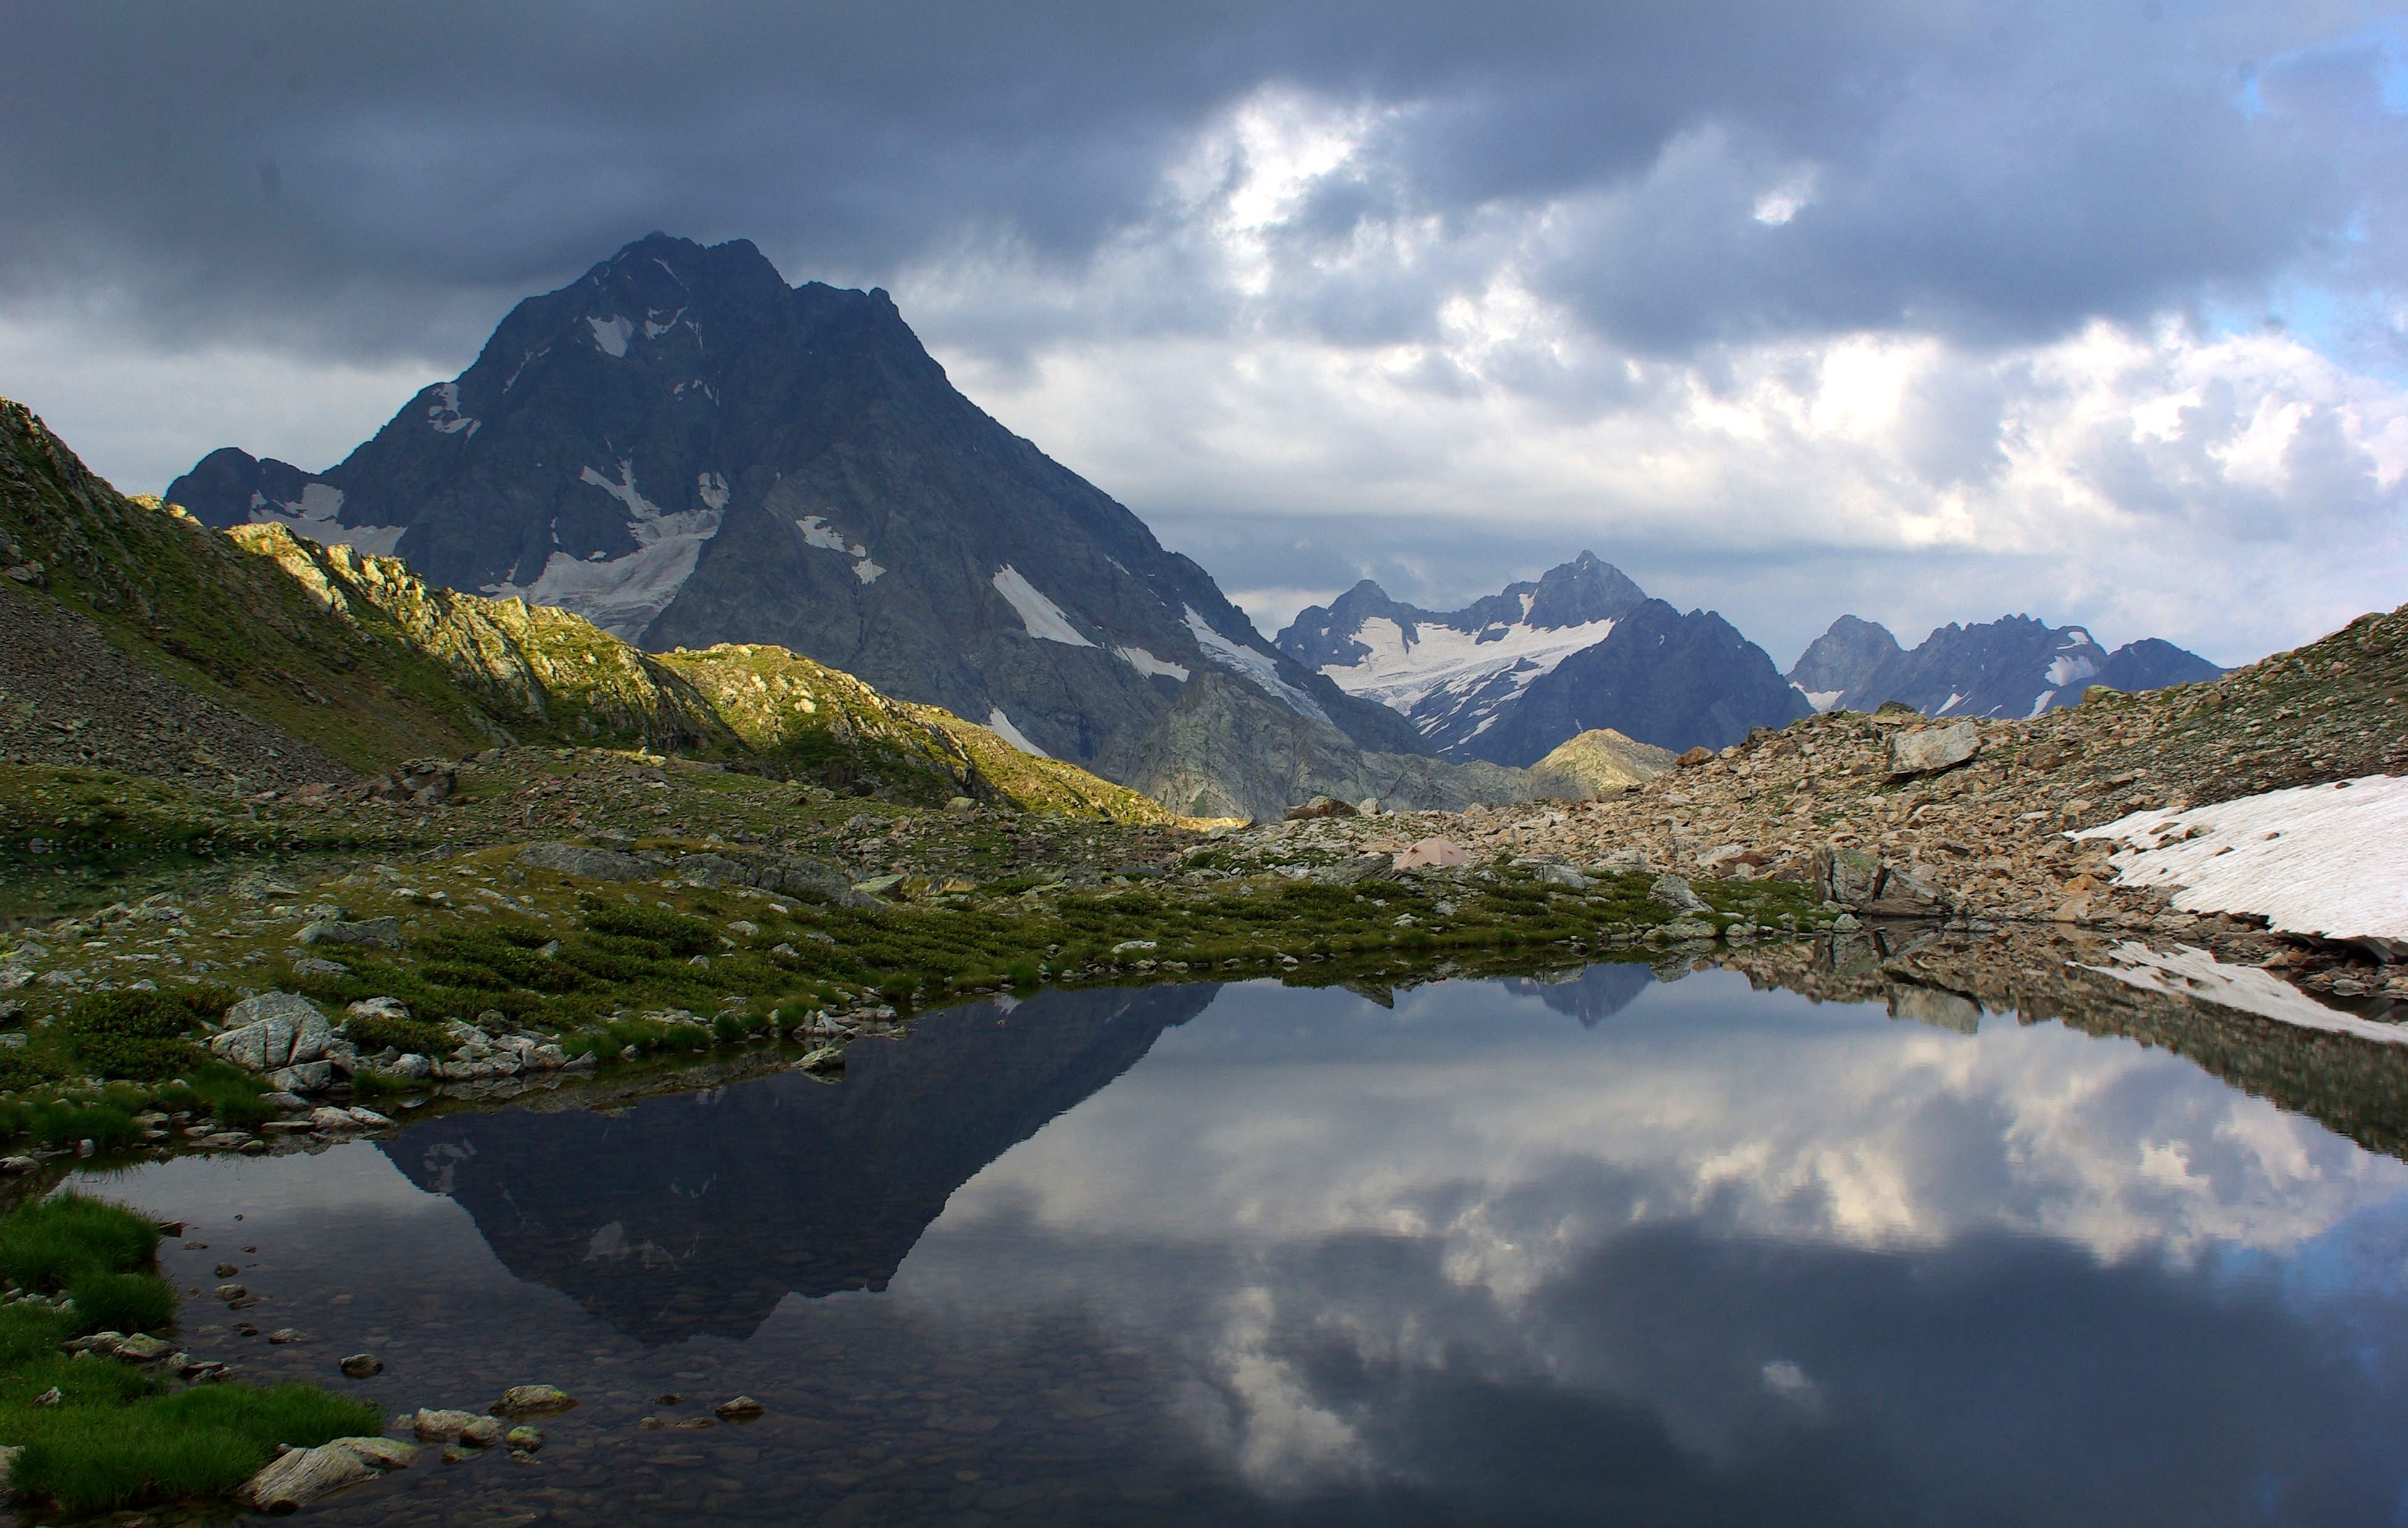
[1404, 668]
[1256, 667]
[2330, 861]
[2190, 972]
[1044, 620]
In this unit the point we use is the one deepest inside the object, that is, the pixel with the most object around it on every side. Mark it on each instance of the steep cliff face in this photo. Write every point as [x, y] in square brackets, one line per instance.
[688, 452]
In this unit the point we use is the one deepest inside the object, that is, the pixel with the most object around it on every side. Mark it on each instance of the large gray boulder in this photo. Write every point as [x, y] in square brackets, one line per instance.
[1929, 749]
[375, 933]
[293, 1480]
[274, 1031]
[586, 863]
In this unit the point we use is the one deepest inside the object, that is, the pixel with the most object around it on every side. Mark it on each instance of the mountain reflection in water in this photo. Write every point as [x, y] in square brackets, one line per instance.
[1633, 1245]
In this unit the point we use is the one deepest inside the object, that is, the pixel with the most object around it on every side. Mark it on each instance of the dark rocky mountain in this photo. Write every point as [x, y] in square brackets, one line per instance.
[669, 1227]
[1513, 674]
[1841, 659]
[687, 451]
[2011, 667]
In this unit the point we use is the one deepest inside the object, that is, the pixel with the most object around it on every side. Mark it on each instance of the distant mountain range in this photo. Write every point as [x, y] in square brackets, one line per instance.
[1511, 675]
[2011, 667]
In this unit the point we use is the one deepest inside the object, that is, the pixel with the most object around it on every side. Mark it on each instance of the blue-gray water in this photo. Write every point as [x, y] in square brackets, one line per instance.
[1611, 1251]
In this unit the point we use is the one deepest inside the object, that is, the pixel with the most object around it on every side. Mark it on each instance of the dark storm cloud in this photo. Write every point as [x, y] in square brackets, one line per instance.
[349, 176]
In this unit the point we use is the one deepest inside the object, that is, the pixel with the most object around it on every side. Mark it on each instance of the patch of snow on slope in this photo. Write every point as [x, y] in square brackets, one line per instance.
[2041, 704]
[1956, 698]
[444, 412]
[1403, 669]
[1000, 725]
[818, 532]
[1820, 700]
[623, 490]
[1044, 619]
[712, 489]
[2068, 666]
[653, 328]
[1254, 667]
[2314, 860]
[1148, 664]
[314, 515]
[610, 335]
[623, 595]
[2196, 973]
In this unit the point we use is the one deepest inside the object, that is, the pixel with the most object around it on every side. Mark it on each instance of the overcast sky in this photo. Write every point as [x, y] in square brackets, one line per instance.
[1925, 311]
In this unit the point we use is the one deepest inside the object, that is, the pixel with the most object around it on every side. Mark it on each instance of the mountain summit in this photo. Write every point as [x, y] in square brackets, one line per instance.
[1513, 674]
[687, 451]
[2014, 665]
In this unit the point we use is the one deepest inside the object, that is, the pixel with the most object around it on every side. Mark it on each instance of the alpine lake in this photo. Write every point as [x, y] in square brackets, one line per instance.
[1618, 1243]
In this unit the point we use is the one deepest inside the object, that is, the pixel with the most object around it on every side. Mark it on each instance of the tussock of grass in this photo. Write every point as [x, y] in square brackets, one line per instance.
[115, 1438]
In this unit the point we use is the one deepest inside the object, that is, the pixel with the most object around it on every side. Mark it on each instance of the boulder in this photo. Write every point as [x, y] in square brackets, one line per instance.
[1927, 750]
[293, 1480]
[378, 933]
[272, 1031]
[308, 1077]
[1906, 895]
[1561, 875]
[1321, 806]
[532, 1400]
[1850, 877]
[1625, 862]
[1694, 757]
[434, 1426]
[379, 1008]
[1674, 892]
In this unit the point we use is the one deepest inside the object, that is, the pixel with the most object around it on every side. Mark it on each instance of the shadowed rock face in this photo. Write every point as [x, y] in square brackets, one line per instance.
[695, 1213]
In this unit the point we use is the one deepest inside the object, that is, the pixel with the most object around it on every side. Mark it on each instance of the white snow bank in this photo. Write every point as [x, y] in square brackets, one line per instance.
[623, 594]
[1820, 700]
[2190, 972]
[610, 335]
[1044, 619]
[1000, 725]
[2314, 860]
[623, 490]
[1253, 666]
[818, 532]
[1403, 668]
[1148, 664]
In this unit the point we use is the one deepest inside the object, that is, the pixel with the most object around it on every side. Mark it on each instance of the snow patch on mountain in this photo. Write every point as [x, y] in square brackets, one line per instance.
[623, 595]
[623, 490]
[1256, 667]
[1819, 699]
[1000, 725]
[314, 515]
[818, 532]
[1406, 666]
[610, 335]
[1147, 664]
[1045, 620]
[444, 412]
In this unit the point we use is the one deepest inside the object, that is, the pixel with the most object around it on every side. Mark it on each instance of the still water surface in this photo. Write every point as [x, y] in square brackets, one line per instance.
[1604, 1251]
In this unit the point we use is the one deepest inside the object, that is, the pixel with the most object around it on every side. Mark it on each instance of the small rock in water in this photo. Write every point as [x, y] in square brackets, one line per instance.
[483, 1433]
[227, 1270]
[524, 1439]
[230, 1292]
[283, 1334]
[669, 1400]
[362, 1365]
[742, 1408]
[442, 1426]
[530, 1400]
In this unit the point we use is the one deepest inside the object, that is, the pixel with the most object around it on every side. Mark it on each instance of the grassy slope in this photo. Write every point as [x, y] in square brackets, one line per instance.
[363, 658]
